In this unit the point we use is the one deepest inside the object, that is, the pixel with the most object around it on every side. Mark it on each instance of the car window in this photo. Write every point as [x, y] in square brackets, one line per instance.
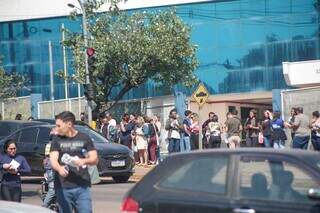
[95, 137]
[28, 135]
[203, 175]
[44, 135]
[6, 129]
[274, 180]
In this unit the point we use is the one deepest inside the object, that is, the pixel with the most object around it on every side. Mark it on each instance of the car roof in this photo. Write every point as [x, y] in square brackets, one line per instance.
[20, 122]
[53, 121]
[51, 126]
[295, 153]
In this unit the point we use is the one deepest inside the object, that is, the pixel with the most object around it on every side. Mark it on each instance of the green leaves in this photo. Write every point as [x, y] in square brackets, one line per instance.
[132, 48]
[10, 84]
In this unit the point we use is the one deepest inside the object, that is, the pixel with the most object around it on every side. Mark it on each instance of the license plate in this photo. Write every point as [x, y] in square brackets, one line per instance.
[118, 163]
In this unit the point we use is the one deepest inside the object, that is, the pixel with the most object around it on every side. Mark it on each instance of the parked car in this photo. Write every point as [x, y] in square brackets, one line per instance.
[14, 207]
[238, 181]
[115, 160]
[9, 126]
[53, 121]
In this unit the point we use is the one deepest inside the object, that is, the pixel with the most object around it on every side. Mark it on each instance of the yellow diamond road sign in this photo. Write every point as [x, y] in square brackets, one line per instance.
[201, 95]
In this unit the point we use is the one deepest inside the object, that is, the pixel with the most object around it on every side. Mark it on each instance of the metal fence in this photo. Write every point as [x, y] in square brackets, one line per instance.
[159, 106]
[308, 98]
[12, 106]
[47, 109]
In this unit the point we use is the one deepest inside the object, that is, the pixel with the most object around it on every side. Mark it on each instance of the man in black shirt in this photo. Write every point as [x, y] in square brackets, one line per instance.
[71, 154]
[205, 129]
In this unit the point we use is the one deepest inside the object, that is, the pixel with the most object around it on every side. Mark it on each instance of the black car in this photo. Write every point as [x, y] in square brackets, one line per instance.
[115, 160]
[7, 127]
[53, 121]
[238, 181]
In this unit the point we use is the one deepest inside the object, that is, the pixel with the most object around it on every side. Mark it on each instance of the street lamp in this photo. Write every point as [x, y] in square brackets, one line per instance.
[85, 37]
[51, 73]
[47, 30]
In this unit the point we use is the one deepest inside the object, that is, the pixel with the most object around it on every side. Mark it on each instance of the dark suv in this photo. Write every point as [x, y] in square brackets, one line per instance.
[9, 126]
[115, 160]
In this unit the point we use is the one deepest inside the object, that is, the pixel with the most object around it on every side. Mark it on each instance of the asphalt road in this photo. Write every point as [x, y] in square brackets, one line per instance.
[107, 196]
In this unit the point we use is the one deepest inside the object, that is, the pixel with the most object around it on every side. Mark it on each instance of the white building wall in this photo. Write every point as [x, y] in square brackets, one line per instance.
[11, 10]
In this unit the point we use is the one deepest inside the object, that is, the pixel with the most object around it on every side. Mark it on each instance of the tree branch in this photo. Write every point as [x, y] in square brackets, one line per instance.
[120, 95]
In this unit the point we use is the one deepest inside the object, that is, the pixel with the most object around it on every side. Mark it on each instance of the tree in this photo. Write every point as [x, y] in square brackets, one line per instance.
[10, 84]
[132, 48]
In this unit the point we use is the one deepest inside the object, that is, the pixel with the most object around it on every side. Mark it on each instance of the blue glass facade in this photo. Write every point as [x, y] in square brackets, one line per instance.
[241, 45]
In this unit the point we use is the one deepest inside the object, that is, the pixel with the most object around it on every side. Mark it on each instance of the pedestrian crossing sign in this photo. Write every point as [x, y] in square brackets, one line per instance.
[201, 95]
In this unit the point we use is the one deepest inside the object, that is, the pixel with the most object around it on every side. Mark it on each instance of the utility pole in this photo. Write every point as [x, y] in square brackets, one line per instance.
[86, 45]
[51, 79]
[64, 65]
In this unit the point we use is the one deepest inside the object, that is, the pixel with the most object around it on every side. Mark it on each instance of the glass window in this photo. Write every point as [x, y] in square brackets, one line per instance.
[229, 33]
[256, 25]
[300, 182]
[274, 180]
[278, 29]
[4, 31]
[29, 135]
[44, 135]
[95, 137]
[254, 8]
[228, 10]
[202, 175]
[278, 8]
[305, 6]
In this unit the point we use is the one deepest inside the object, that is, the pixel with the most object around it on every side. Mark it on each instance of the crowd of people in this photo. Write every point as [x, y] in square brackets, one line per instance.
[142, 133]
[139, 133]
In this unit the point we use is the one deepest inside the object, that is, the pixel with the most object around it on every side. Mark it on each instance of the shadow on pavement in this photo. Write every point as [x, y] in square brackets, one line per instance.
[29, 193]
[110, 181]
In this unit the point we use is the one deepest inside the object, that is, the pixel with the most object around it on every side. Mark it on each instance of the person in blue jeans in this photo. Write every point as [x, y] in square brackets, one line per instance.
[302, 130]
[185, 140]
[278, 135]
[49, 178]
[12, 166]
[266, 129]
[173, 126]
[70, 155]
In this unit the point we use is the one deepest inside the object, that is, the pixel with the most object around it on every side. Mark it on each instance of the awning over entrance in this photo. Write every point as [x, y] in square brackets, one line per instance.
[302, 73]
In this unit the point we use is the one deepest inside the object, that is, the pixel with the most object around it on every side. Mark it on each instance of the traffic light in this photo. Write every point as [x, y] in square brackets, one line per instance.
[91, 59]
[88, 91]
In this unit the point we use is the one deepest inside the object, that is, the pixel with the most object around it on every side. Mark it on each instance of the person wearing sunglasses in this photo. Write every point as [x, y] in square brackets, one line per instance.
[13, 166]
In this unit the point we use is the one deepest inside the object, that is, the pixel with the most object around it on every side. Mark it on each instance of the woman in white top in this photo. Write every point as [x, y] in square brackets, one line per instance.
[141, 141]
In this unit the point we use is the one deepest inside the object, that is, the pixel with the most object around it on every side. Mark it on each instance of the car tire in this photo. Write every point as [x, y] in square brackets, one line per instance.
[120, 179]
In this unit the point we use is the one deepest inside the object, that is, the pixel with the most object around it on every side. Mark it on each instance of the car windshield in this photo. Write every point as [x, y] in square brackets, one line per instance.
[95, 137]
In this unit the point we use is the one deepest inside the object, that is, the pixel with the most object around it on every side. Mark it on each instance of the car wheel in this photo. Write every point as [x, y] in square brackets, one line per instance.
[120, 179]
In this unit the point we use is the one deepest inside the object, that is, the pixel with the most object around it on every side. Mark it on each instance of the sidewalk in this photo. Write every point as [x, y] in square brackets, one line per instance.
[140, 172]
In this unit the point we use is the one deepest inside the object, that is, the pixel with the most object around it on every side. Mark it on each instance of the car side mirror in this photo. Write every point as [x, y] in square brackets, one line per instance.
[314, 193]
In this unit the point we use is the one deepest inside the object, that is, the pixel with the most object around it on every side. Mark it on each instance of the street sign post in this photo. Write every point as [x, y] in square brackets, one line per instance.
[201, 96]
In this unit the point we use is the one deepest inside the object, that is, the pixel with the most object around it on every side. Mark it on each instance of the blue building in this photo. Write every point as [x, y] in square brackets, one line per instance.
[241, 43]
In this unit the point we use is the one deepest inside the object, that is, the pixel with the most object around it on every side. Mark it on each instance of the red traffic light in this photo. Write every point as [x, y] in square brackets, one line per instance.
[90, 51]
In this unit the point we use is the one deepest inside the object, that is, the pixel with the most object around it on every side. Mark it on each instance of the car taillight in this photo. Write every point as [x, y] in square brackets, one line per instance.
[129, 205]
